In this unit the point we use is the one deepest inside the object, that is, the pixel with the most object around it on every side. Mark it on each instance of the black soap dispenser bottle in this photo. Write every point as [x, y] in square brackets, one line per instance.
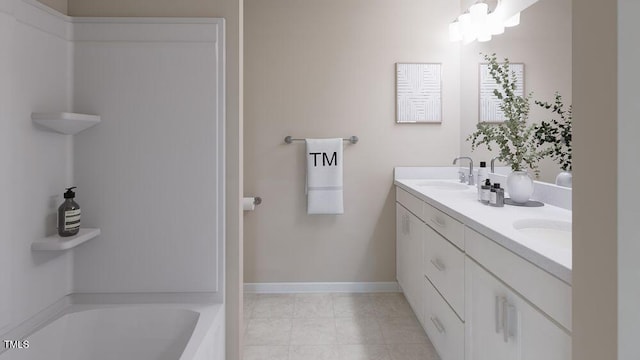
[69, 215]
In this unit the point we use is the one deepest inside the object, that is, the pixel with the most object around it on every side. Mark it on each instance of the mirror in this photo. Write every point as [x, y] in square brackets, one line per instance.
[542, 42]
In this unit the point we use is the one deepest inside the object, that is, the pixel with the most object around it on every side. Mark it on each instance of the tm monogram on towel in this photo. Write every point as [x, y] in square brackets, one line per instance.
[325, 159]
[324, 176]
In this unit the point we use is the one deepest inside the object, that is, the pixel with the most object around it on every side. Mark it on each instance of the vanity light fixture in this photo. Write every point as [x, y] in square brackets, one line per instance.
[466, 28]
[487, 18]
[496, 25]
[479, 21]
[513, 21]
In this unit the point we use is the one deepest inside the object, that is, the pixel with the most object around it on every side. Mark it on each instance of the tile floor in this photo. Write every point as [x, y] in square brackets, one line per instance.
[333, 327]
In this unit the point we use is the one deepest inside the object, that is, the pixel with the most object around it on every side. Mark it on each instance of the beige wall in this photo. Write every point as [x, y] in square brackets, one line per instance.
[231, 10]
[628, 180]
[542, 42]
[326, 69]
[594, 205]
[59, 5]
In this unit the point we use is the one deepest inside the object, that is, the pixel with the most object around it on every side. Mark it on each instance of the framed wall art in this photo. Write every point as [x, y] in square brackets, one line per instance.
[418, 93]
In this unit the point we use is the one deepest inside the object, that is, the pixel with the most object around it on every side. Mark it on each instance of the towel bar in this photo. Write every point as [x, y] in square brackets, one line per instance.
[288, 139]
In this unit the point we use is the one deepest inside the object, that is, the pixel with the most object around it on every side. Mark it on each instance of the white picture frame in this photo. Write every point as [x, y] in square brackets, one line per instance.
[418, 93]
[489, 104]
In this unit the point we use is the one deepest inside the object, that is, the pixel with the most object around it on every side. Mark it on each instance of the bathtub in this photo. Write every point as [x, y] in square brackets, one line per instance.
[149, 331]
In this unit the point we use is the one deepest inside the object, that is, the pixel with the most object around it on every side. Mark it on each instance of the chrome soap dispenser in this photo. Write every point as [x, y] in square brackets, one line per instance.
[69, 215]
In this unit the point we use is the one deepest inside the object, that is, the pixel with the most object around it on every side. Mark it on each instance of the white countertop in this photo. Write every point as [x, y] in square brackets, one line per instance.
[497, 224]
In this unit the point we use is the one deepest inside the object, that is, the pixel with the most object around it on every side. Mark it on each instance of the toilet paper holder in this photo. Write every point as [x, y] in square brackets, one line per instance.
[250, 203]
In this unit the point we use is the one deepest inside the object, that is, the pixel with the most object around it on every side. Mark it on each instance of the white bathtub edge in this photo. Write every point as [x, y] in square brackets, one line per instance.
[144, 298]
[38, 320]
[206, 342]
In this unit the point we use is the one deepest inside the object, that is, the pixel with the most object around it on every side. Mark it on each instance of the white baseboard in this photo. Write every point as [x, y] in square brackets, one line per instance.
[320, 287]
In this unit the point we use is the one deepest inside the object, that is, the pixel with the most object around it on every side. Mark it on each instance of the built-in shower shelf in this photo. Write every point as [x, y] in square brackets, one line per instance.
[65, 122]
[57, 243]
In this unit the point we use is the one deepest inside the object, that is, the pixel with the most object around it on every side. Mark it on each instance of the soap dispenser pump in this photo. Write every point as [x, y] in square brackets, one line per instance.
[69, 215]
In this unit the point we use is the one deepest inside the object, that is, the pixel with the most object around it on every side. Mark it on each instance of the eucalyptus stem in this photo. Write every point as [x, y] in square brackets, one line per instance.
[556, 134]
[516, 140]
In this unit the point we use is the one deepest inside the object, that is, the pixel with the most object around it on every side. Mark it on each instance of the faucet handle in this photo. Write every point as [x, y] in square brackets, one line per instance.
[462, 176]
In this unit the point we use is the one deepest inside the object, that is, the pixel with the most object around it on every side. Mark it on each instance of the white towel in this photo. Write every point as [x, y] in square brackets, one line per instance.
[324, 176]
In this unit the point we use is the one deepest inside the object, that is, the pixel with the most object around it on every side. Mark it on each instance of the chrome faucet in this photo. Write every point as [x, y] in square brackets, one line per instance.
[493, 168]
[470, 176]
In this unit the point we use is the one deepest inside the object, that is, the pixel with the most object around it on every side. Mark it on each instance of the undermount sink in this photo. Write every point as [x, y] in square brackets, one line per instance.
[443, 185]
[551, 230]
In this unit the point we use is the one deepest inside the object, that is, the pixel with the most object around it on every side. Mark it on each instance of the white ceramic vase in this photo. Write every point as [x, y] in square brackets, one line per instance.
[520, 186]
[565, 179]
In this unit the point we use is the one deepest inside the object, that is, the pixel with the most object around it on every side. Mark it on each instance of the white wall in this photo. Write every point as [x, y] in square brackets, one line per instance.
[155, 158]
[327, 69]
[149, 175]
[6, 28]
[628, 180]
[232, 12]
[36, 164]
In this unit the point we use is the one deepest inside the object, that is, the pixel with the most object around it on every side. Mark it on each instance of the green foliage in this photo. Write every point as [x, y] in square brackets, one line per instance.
[557, 133]
[515, 139]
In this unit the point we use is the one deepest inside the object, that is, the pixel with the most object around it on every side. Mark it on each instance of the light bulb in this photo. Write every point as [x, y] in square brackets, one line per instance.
[478, 11]
[455, 33]
[484, 37]
[513, 21]
[495, 24]
[483, 32]
[467, 30]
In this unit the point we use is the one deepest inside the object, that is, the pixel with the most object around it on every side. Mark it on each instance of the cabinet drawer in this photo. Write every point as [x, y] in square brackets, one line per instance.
[450, 228]
[550, 294]
[443, 327]
[410, 202]
[444, 266]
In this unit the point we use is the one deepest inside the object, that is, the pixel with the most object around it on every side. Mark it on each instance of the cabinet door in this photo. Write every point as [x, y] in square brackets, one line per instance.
[409, 239]
[415, 274]
[502, 326]
[402, 233]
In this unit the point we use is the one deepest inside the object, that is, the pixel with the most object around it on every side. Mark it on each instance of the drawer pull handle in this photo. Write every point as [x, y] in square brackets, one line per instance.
[438, 222]
[438, 325]
[511, 322]
[498, 314]
[438, 265]
[506, 318]
[505, 323]
[407, 224]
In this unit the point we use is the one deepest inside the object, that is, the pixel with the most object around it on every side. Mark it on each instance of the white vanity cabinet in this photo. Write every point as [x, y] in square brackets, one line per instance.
[476, 299]
[430, 270]
[410, 233]
[443, 269]
[501, 325]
